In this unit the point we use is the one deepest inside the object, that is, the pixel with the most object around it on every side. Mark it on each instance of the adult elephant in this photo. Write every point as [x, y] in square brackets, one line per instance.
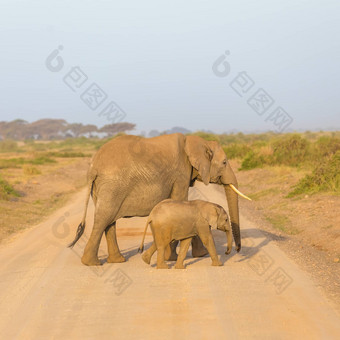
[129, 175]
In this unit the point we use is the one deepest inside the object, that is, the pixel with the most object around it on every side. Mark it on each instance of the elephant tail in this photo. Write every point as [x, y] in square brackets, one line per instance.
[81, 226]
[141, 248]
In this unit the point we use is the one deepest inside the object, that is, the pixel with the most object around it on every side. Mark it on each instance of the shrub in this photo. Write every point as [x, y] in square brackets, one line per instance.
[236, 150]
[6, 190]
[252, 160]
[290, 150]
[326, 146]
[325, 177]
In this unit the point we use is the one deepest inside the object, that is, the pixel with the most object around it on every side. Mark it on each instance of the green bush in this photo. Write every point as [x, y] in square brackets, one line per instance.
[253, 160]
[326, 146]
[6, 190]
[325, 177]
[290, 150]
[235, 150]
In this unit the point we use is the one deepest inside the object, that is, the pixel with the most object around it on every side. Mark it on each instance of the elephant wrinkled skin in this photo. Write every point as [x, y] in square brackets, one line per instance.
[129, 175]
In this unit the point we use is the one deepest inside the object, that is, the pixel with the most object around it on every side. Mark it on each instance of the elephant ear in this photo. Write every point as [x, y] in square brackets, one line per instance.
[200, 155]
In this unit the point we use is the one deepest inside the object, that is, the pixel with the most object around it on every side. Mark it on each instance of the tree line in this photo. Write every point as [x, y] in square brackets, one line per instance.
[51, 129]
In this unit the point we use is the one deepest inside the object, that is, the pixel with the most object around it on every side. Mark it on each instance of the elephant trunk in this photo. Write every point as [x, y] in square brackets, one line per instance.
[229, 178]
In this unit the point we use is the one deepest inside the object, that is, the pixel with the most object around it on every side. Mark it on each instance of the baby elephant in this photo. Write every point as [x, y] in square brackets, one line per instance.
[181, 220]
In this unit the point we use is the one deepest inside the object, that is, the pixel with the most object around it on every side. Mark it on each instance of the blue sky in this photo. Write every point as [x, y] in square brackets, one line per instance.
[154, 59]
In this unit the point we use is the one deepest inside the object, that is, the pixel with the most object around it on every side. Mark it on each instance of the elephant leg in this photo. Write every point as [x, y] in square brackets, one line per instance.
[90, 256]
[182, 253]
[148, 254]
[104, 216]
[198, 249]
[170, 251]
[114, 254]
[160, 258]
[208, 241]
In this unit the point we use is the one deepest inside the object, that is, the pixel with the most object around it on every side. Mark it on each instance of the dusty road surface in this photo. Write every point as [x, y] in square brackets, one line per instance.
[46, 293]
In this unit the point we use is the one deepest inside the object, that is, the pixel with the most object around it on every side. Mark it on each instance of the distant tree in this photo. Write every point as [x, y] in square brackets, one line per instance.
[47, 129]
[88, 129]
[14, 129]
[112, 129]
[75, 129]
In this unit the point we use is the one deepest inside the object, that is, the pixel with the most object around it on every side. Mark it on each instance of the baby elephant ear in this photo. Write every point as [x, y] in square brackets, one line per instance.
[200, 155]
[211, 214]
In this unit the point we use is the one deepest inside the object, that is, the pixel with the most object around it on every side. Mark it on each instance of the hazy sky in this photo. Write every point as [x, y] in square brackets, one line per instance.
[154, 59]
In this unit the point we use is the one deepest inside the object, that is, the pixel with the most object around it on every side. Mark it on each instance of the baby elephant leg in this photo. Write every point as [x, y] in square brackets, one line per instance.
[209, 243]
[160, 258]
[148, 254]
[184, 246]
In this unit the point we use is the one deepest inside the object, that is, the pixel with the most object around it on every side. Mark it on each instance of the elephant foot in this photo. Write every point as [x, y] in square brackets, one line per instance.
[217, 263]
[116, 258]
[146, 258]
[179, 266]
[90, 261]
[199, 252]
[162, 266]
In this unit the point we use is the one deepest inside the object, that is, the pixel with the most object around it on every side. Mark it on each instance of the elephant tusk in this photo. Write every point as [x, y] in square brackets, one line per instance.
[239, 192]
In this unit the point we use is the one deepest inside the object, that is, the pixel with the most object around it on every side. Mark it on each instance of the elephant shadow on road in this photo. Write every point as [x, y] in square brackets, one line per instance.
[250, 244]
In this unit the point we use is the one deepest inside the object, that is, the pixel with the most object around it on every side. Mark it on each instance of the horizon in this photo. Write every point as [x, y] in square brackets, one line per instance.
[174, 129]
[201, 66]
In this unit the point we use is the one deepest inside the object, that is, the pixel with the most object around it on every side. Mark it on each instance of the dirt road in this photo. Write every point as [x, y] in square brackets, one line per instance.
[46, 293]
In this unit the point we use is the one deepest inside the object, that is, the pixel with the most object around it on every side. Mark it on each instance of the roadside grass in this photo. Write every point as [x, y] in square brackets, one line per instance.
[6, 190]
[8, 146]
[325, 177]
[282, 223]
[29, 170]
[67, 154]
[263, 193]
[19, 162]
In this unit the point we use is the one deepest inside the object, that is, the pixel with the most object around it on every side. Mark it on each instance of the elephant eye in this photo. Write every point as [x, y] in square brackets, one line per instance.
[225, 162]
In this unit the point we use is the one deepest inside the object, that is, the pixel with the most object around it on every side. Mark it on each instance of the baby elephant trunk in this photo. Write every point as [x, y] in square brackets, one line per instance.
[229, 240]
